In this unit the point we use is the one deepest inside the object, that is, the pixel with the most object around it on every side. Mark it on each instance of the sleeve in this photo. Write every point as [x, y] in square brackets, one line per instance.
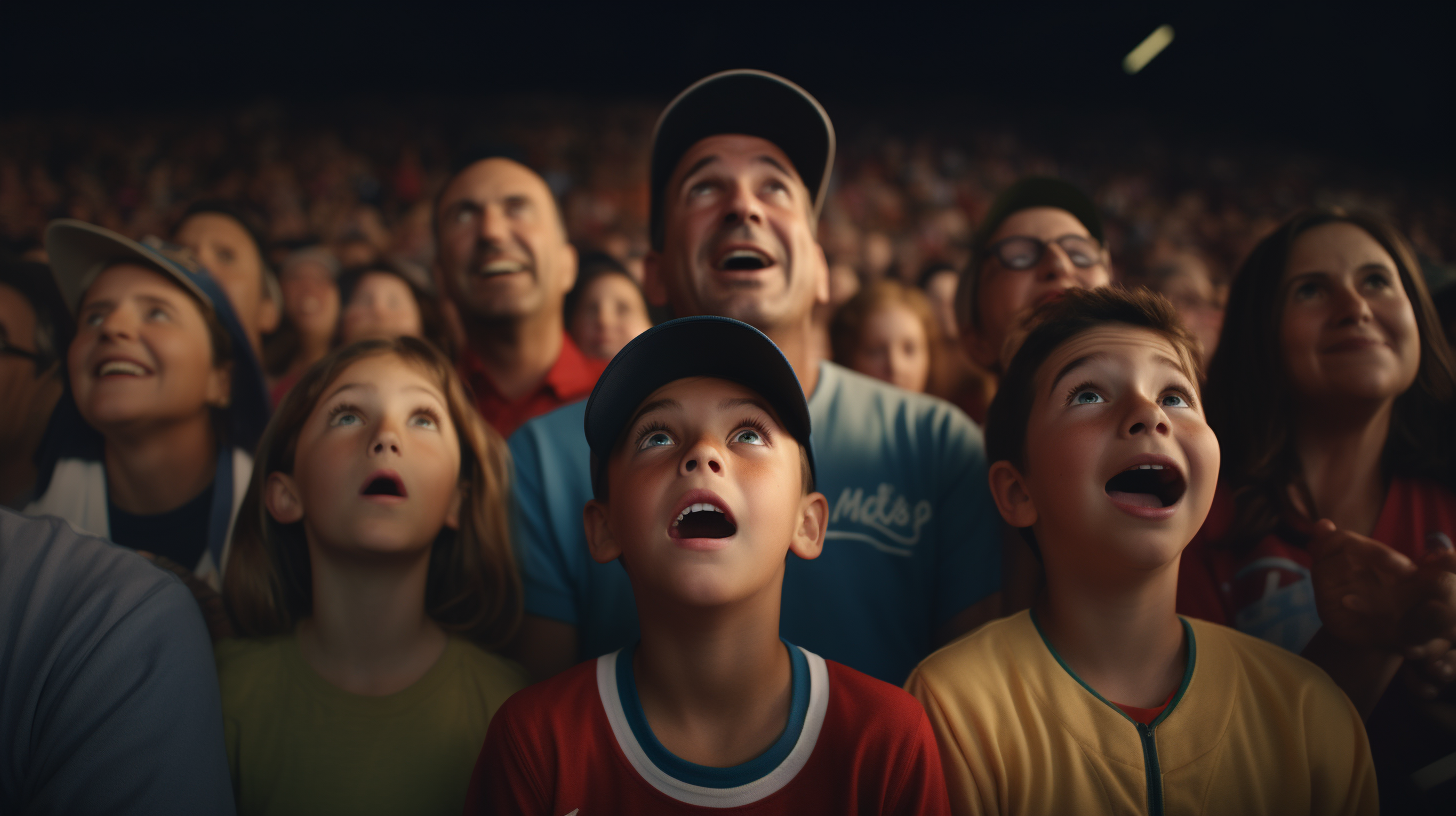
[960, 784]
[922, 787]
[134, 724]
[545, 571]
[967, 526]
[1343, 774]
[503, 781]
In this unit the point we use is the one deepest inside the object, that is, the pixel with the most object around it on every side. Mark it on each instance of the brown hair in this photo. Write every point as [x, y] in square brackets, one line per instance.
[847, 326]
[1255, 425]
[473, 587]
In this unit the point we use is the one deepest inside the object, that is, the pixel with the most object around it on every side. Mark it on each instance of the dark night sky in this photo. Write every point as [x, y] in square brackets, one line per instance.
[1375, 84]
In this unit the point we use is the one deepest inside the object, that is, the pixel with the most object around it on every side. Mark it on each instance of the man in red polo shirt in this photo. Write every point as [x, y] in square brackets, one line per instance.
[505, 262]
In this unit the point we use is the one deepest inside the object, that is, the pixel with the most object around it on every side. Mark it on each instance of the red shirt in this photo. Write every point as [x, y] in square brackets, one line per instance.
[1266, 591]
[565, 746]
[570, 379]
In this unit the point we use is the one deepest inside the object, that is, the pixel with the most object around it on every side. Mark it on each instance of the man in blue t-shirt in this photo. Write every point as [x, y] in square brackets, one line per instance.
[740, 168]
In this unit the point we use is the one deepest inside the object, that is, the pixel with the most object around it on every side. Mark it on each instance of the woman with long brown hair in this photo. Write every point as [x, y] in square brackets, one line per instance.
[1333, 397]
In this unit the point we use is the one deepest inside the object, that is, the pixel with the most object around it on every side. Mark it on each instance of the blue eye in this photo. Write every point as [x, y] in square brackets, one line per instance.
[424, 420]
[656, 439]
[749, 436]
[345, 418]
[1174, 401]
[1087, 398]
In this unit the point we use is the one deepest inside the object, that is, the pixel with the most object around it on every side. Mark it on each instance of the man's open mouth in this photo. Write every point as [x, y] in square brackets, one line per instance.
[744, 260]
[703, 520]
[1147, 486]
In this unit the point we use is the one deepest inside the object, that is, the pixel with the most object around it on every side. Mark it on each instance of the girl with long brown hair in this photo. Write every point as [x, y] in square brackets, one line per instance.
[371, 564]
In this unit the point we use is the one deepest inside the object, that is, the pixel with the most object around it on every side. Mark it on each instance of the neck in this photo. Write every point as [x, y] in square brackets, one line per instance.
[1122, 638]
[161, 469]
[716, 683]
[517, 353]
[801, 344]
[1340, 459]
[369, 633]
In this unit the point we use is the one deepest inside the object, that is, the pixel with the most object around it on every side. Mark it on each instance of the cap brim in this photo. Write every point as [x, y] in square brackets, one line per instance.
[79, 251]
[752, 103]
[701, 346]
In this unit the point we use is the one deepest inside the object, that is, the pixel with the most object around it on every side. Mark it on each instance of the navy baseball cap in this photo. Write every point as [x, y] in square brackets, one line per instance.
[748, 102]
[701, 346]
[80, 251]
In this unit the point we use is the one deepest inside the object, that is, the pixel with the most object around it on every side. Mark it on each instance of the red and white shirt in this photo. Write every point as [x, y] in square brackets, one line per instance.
[579, 745]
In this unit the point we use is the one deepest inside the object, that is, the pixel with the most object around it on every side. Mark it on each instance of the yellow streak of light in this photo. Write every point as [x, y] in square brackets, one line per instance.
[1139, 57]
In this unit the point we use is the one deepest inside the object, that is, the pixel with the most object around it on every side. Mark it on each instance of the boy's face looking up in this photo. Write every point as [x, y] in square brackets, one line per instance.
[1119, 463]
[699, 442]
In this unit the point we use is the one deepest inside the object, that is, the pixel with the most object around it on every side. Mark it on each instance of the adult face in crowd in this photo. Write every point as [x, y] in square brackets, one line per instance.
[503, 257]
[218, 236]
[739, 241]
[381, 305]
[1186, 280]
[35, 328]
[1040, 238]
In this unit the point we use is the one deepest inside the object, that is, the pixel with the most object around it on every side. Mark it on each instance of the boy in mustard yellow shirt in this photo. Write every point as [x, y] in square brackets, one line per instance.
[1100, 699]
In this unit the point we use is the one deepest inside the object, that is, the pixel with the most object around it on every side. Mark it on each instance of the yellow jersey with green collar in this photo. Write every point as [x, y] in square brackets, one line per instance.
[1252, 730]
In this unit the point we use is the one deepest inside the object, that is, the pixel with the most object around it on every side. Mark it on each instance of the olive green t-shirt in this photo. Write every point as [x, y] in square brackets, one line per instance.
[298, 744]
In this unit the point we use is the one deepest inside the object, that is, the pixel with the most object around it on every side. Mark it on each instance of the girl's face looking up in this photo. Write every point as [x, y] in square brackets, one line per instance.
[142, 356]
[1348, 331]
[893, 347]
[377, 466]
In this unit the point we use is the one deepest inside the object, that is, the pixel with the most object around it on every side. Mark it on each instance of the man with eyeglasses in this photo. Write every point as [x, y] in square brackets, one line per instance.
[35, 329]
[1041, 237]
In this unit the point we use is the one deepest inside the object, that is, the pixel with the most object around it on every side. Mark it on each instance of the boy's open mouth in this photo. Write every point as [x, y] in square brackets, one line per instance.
[702, 520]
[1147, 486]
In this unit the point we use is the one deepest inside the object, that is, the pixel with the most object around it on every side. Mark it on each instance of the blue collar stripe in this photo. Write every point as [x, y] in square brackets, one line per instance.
[702, 775]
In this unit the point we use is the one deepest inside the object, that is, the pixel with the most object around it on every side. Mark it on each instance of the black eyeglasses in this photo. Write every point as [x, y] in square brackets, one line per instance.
[7, 348]
[1021, 252]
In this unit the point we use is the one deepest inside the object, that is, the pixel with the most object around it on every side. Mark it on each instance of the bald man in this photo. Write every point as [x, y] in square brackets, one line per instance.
[505, 264]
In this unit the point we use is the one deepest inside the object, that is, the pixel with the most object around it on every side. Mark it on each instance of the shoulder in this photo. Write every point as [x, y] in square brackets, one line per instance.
[849, 403]
[554, 431]
[1274, 675]
[506, 675]
[50, 570]
[873, 702]
[982, 650]
[567, 696]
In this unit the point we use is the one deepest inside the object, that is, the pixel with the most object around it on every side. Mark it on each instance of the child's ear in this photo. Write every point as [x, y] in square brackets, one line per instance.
[280, 495]
[599, 538]
[808, 540]
[1008, 488]
[220, 386]
[452, 513]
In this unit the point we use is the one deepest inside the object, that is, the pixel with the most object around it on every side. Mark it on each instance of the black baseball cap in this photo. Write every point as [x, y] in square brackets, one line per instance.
[753, 103]
[700, 346]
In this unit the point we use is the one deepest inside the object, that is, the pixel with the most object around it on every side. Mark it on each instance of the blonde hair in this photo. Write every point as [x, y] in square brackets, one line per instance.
[473, 586]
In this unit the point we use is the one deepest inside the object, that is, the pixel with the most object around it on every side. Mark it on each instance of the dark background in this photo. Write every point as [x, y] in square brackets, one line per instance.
[1371, 83]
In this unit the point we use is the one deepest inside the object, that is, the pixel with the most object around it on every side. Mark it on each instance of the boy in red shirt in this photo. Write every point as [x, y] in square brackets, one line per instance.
[703, 479]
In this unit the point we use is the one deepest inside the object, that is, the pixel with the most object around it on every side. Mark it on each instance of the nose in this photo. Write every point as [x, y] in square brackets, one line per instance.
[1057, 267]
[1145, 416]
[493, 228]
[386, 439]
[1351, 306]
[118, 323]
[743, 207]
[701, 454]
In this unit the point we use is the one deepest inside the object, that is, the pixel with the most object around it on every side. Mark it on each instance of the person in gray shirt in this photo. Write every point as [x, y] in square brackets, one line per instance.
[108, 694]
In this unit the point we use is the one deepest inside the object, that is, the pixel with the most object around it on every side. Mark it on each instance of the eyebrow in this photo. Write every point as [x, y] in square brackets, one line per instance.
[371, 387]
[699, 165]
[738, 402]
[655, 405]
[1083, 360]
